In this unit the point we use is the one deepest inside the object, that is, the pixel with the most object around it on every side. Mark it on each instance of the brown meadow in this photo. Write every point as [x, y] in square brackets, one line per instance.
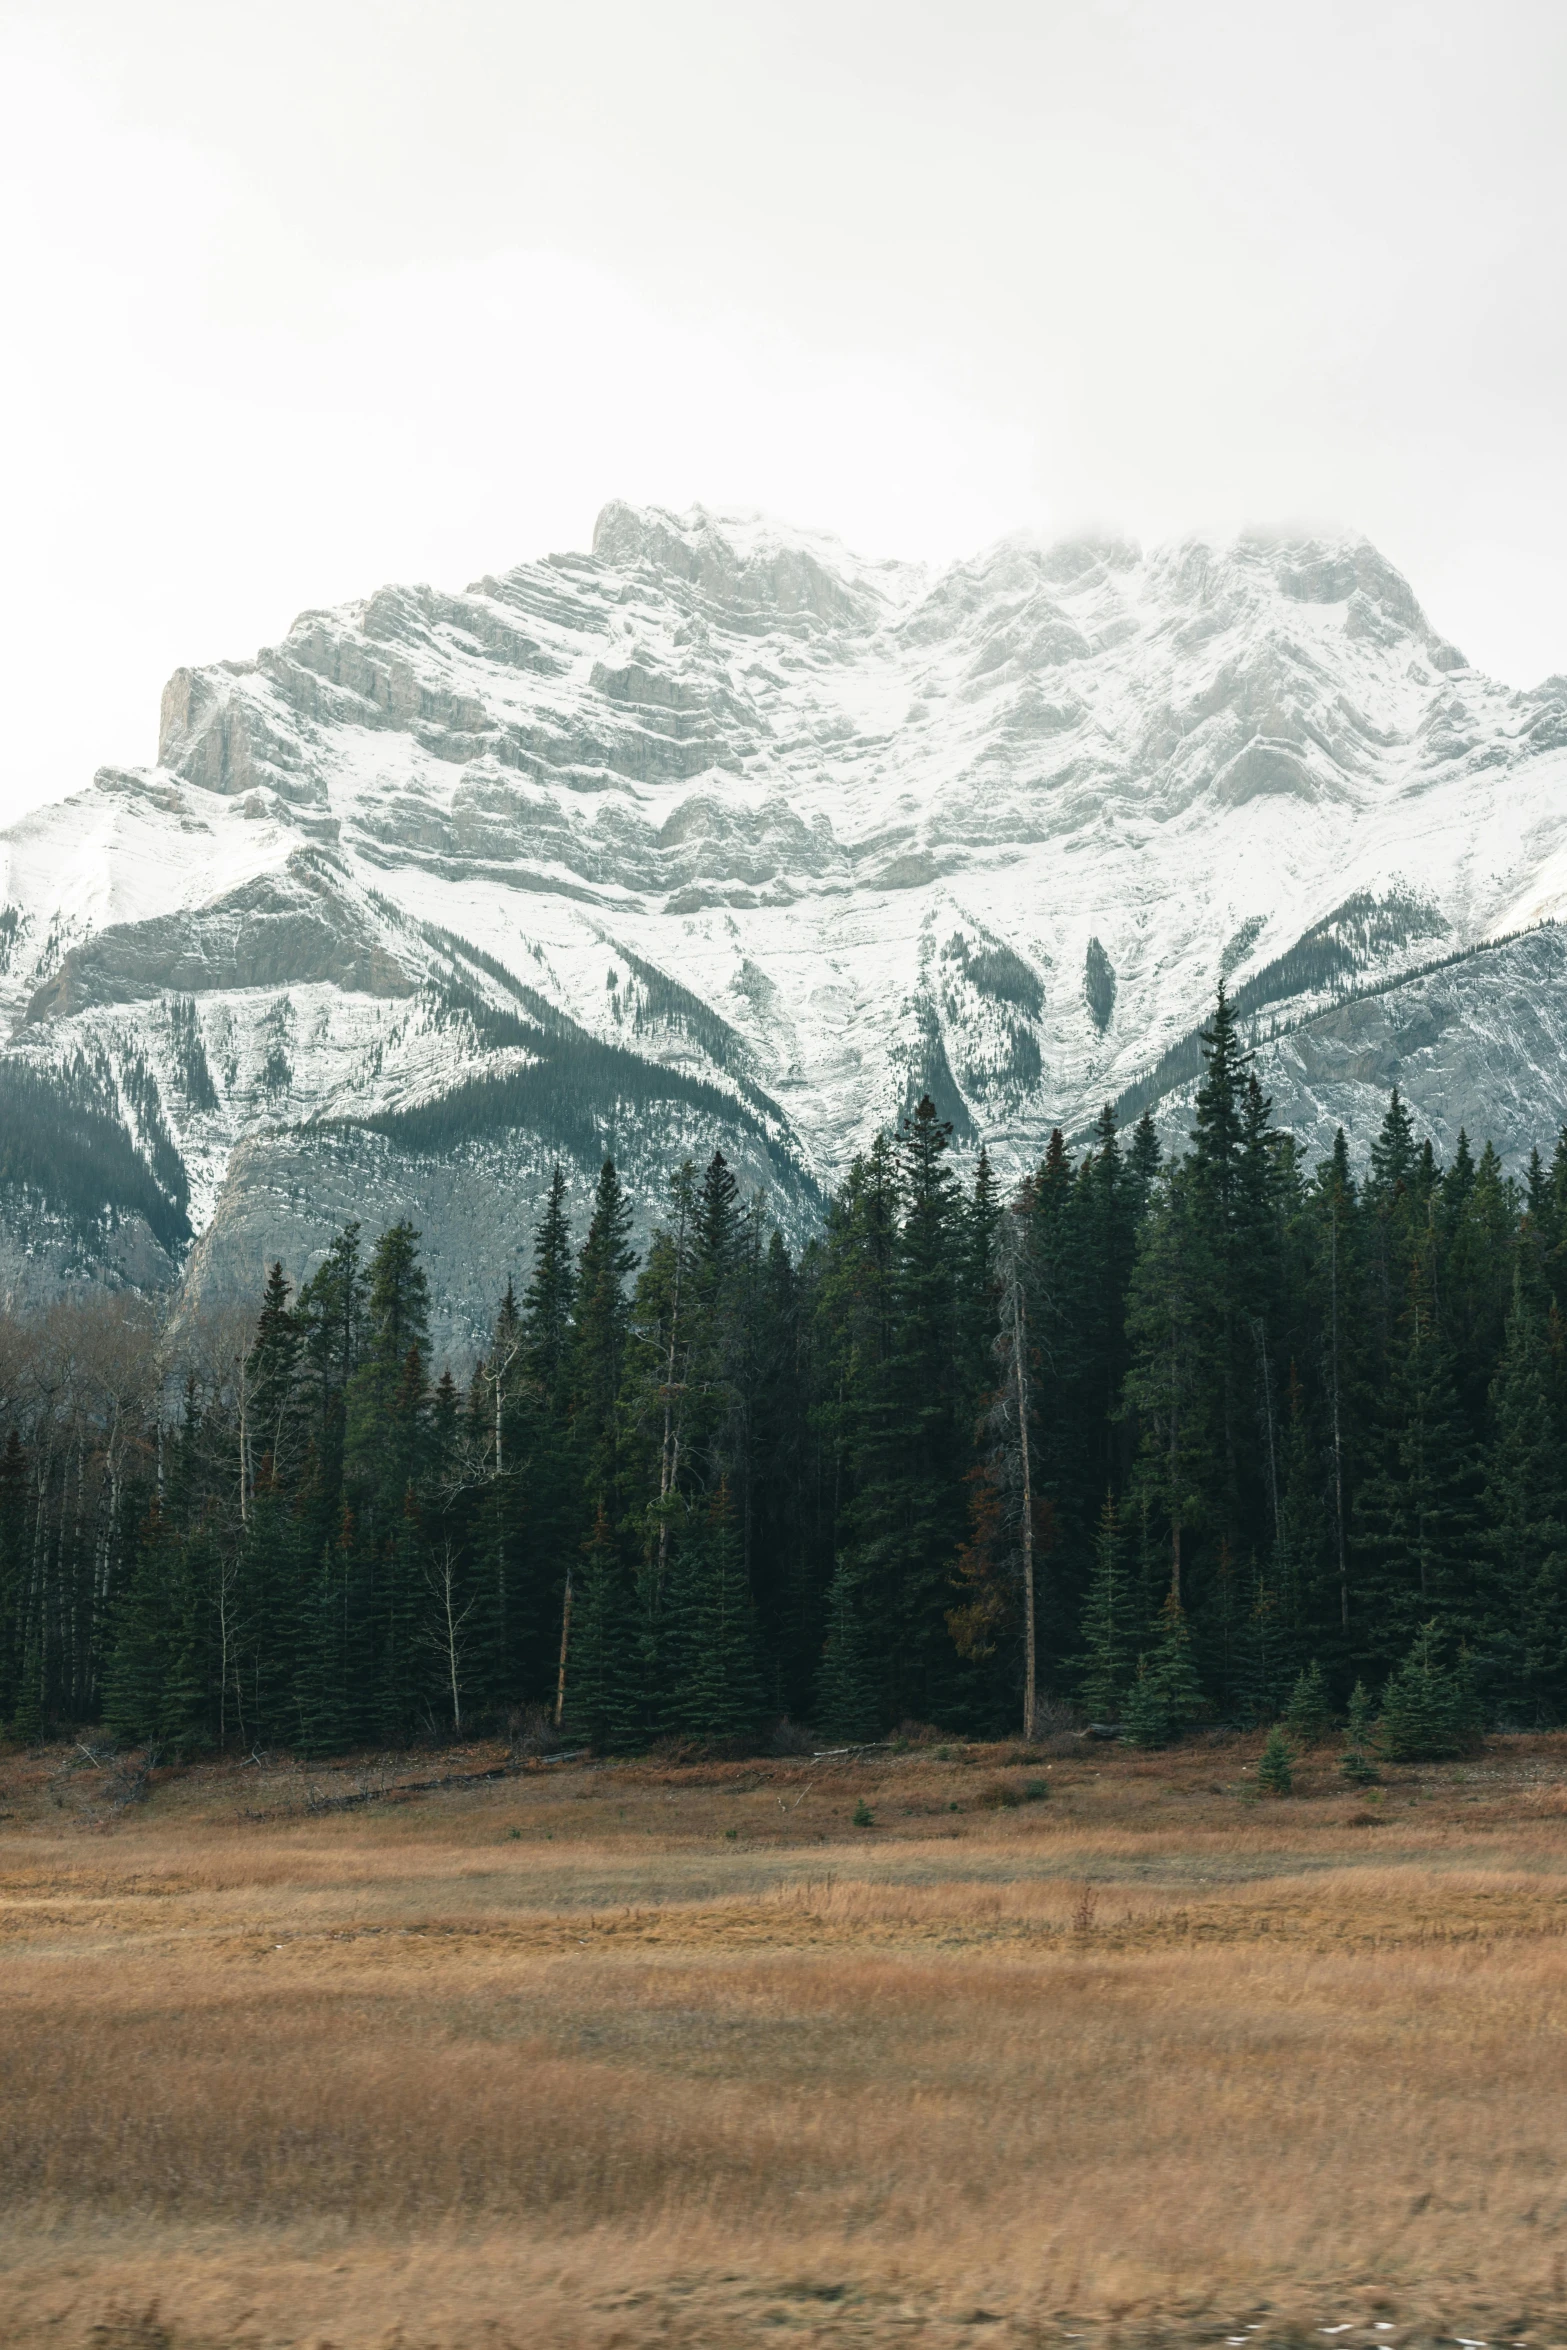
[614, 2055]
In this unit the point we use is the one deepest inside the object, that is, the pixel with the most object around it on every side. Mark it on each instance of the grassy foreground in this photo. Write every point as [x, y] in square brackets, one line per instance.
[621, 2055]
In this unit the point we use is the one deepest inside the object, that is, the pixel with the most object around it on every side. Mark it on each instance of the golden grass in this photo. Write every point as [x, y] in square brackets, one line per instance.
[631, 2055]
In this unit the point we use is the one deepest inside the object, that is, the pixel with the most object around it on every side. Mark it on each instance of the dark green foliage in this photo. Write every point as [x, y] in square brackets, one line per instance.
[1112, 1633]
[1360, 1717]
[998, 973]
[1099, 984]
[1275, 1771]
[1524, 1656]
[1428, 1707]
[1255, 1437]
[718, 1694]
[662, 1001]
[1333, 950]
[13, 1564]
[190, 1054]
[1022, 1067]
[850, 1703]
[1309, 1714]
[1417, 1516]
[547, 1306]
[1356, 1762]
[63, 1146]
[603, 1686]
[1166, 1697]
[560, 1096]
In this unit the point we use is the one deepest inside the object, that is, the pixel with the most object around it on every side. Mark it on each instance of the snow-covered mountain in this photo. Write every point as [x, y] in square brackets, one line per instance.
[721, 833]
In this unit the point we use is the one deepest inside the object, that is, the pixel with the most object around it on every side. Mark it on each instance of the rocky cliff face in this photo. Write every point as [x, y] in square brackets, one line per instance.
[720, 834]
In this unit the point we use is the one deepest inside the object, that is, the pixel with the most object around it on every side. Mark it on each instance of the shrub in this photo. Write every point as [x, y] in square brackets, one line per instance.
[1008, 1794]
[862, 1816]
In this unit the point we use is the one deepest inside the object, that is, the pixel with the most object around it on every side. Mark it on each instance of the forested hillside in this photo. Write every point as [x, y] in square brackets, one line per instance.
[1156, 1436]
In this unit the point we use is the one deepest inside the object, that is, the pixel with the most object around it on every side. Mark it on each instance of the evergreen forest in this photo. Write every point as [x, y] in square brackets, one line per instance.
[1214, 1437]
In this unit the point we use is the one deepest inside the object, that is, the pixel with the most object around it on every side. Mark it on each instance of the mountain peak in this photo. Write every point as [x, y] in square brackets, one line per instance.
[753, 561]
[726, 834]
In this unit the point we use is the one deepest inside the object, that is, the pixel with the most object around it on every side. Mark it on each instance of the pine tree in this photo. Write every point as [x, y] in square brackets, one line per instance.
[1275, 1772]
[1355, 1762]
[599, 1339]
[1309, 1716]
[720, 1695]
[1428, 1708]
[139, 1634]
[272, 1370]
[549, 1297]
[1166, 1697]
[1267, 1648]
[850, 1699]
[328, 1693]
[269, 1605]
[538, 1502]
[186, 1678]
[603, 1684]
[1393, 1153]
[1111, 1633]
[919, 1511]
[1143, 1163]
[386, 1394]
[1416, 1531]
[13, 1553]
[1524, 1658]
[330, 1309]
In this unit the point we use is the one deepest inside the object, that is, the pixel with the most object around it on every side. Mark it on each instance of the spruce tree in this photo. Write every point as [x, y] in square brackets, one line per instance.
[1524, 1657]
[13, 1553]
[1416, 1519]
[598, 1341]
[1166, 1697]
[720, 1694]
[270, 1608]
[1275, 1770]
[1356, 1762]
[1111, 1631]
[548, 1299]
[1267, 1647]
[1143, 1163]
[330, 1310]
[1309, 1715]
[140, 1636]
[274, 1397]
[539, 1504]
[603, 1682]
[386, 1394]
[850, 1699]
[1428, 1707]
[329, 1693]
[1393, 1153]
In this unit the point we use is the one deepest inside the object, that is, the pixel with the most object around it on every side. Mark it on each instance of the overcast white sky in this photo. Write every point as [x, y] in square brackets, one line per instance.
[302, 297]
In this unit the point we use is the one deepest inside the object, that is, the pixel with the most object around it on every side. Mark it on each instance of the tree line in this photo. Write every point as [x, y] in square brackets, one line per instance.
[1165, 1437]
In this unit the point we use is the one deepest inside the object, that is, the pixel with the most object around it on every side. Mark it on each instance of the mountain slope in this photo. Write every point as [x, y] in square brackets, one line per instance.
[719, 833]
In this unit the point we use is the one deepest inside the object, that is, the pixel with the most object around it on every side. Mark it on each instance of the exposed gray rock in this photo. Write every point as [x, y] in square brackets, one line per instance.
[718, 833]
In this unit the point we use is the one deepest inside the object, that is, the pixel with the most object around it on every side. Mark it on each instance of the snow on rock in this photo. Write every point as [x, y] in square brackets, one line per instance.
[719, 832]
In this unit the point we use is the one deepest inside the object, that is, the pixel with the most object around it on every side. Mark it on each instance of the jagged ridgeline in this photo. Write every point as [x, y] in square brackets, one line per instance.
[1226, 1435]
[720, 834]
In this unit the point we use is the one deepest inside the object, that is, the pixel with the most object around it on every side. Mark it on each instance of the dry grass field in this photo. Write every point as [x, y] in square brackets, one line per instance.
[622, 2055]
